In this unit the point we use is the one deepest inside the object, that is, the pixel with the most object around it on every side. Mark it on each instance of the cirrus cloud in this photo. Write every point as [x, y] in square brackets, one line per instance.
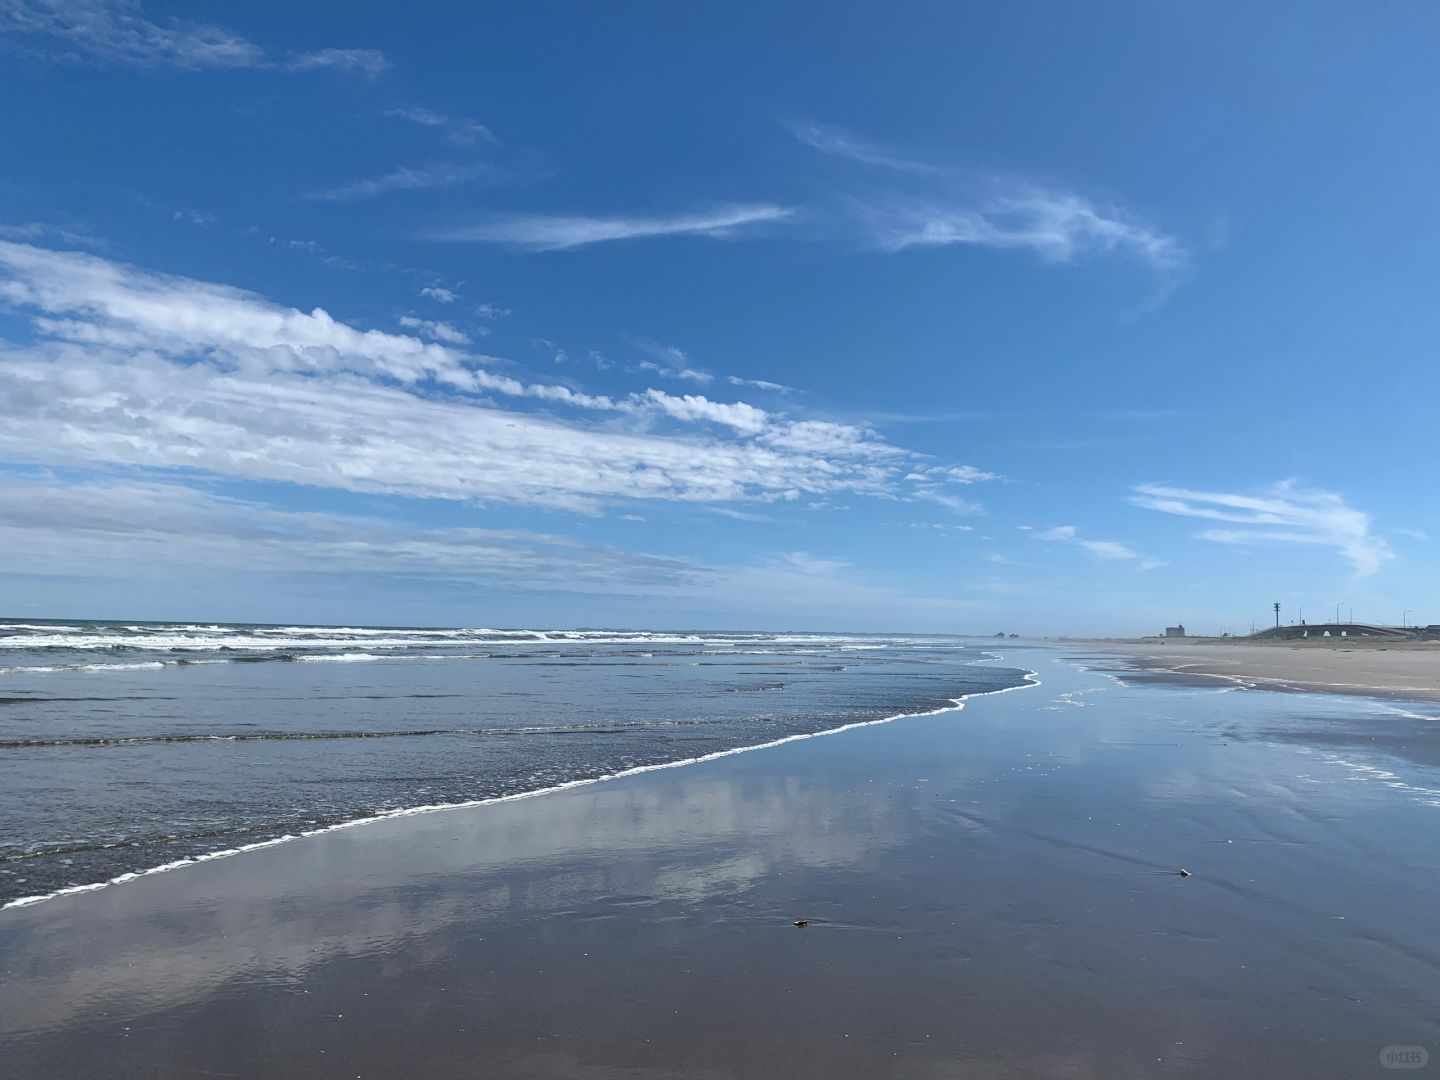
[1283, 513]
[551, 232]
[118, 32]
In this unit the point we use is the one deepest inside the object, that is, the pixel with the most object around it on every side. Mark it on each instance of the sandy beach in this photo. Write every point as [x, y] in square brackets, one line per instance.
[1401, 669]
[991, 892]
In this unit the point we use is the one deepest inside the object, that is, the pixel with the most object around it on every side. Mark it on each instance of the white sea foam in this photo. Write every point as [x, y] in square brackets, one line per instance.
[31, 669]
[1364, 771]
[95, 644]
[957, 704]
[203, 638]
[1409, 714]
[1072, 698]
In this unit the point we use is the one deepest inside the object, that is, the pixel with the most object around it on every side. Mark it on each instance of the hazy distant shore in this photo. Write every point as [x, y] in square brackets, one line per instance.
[1343, 666]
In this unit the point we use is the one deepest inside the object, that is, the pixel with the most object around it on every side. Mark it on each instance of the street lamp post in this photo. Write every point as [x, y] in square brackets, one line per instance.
[1405, 619]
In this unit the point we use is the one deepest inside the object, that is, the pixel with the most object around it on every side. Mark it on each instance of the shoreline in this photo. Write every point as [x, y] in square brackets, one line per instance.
[1388, 670]
[994, 897]
[1029, 680]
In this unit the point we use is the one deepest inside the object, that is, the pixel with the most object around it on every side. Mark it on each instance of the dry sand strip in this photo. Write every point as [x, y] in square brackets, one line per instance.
[1407, 670]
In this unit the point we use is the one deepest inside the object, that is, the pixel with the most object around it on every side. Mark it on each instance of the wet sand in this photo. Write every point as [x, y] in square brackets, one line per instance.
[989, 893]
[1396, 669]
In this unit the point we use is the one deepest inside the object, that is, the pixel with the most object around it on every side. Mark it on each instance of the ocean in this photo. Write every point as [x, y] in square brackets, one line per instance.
[128, 747]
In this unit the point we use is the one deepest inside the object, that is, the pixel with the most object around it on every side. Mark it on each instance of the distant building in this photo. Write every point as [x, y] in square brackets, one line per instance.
[1174, 631]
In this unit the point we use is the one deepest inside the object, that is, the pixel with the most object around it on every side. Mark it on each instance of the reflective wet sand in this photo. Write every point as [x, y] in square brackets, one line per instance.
[988, 893]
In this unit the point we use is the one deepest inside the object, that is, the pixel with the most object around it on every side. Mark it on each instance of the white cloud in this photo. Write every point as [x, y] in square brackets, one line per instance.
[152, 371]
[558, 233]
[746, 419]
[936, 525]
[687, 374]
[1102, 550]
[440, 294]
[1057, 532]
[760, 384]
[435, 330]
[318, 251]
[951, 502]
[195, 217]
[459, 130]
[492, 311]
[367, 62]
[1283, 513]
[1057, 225]
[1109, 549]
[117, 32]
[673, 362]
[827, 437]
[931, 484]
[41, 231]
[90, 300]
[405, 178]
[69, 405]
[959, 474]
[936, 206]
[838, 142]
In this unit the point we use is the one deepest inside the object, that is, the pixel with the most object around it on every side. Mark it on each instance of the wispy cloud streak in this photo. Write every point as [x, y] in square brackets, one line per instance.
[1057, 225]
[1102, 550]
[670, 361]
[929, 205]
[117, 32]
[459, 130]
[403, 179]
[839, 142]
[542, 232]
[1283, 513]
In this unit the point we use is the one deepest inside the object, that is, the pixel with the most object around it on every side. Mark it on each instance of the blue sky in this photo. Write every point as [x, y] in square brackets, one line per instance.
[923, 316]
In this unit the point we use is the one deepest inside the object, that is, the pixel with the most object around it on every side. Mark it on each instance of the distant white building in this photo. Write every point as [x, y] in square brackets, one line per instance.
[1174, 631]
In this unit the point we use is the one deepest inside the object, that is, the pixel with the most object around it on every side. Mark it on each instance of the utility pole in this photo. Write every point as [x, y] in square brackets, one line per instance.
[1277, 615]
